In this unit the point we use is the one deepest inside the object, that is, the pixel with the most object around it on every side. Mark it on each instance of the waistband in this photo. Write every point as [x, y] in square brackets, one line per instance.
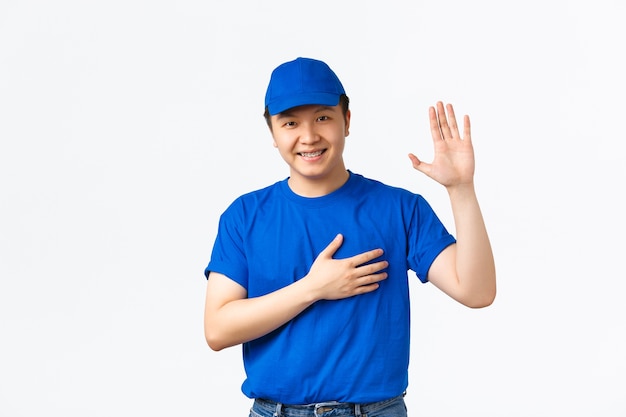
[318, 409]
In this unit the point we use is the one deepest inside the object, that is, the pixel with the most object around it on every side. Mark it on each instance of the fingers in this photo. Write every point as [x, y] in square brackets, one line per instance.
[356, 260]
[367, 277]
[415, 161]
[442, 120]
[419, 165]
[359, 262]
[435, 127]
[369, 283]
[365, 257]
[453, 128]
[373, 268]
[443, 124]
[332, 247]
[333, 279]
[467, 130]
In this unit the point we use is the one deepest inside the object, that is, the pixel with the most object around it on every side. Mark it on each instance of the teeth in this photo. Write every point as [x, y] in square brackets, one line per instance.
[311, 154]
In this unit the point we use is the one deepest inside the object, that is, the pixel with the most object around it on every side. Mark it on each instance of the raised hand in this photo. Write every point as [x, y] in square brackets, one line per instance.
[453, 162]
[333, 279]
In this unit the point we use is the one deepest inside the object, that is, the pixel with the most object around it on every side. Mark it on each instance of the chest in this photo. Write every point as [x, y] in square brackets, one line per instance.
[282, 243]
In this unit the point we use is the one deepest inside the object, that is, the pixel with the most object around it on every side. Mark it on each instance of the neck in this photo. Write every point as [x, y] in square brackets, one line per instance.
[317, 187]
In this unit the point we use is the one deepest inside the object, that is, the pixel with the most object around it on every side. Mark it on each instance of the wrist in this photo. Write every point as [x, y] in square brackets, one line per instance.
[462, 189]
[309, 294]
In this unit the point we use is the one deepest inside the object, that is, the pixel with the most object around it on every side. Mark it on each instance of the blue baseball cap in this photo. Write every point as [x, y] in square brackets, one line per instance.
[300, 82]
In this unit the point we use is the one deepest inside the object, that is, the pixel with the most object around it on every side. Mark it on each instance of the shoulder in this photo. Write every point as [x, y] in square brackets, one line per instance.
[256, 197]
[244, 208]
[380, 188]
[392, 199]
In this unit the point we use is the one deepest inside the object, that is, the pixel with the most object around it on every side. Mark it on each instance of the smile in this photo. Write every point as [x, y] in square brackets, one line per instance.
[311, 154]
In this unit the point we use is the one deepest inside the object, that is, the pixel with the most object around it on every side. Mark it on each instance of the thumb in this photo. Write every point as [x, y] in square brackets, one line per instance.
[419, 165]
[332, 247]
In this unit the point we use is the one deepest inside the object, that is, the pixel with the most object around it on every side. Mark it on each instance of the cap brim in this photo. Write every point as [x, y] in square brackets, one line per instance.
[279, 105]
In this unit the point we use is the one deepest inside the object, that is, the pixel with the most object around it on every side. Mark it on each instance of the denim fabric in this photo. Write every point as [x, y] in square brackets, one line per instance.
[394, 407]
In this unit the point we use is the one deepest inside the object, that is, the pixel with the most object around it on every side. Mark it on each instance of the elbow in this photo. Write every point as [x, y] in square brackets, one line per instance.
[215, 345]
[481, 303]
[485, 299]
[215, 341]
[484, 295]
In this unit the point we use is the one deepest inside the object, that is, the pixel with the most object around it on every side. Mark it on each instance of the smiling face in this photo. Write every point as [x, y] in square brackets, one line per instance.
[311, 140]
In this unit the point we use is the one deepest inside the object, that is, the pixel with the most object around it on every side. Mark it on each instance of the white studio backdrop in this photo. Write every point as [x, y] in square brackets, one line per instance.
[127, 127]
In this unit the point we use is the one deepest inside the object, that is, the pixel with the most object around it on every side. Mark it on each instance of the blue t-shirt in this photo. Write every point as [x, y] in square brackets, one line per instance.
[350, 350]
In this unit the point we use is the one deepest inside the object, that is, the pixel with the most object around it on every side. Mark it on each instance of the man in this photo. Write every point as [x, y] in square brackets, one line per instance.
[310, 273]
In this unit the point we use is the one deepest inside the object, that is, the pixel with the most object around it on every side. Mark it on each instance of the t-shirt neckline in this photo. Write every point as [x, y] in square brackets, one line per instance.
[323, 200]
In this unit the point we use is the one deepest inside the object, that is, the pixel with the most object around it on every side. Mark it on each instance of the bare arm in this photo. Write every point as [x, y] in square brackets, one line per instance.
[466, 270]
[230, 318]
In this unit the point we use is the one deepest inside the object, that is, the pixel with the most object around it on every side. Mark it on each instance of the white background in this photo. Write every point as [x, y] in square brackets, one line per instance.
[127, 127]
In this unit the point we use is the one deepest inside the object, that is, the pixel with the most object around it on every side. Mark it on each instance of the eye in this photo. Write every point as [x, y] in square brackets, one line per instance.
[323, 118]
[290, 123]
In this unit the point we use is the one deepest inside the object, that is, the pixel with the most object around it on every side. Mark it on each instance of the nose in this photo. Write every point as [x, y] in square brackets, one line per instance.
[308, 134]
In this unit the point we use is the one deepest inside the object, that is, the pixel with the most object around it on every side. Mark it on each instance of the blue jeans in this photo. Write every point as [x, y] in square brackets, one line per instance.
[394, 407]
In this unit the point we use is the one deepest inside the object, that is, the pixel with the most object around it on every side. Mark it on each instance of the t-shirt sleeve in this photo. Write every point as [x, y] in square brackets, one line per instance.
[228, 255]
[427, 238]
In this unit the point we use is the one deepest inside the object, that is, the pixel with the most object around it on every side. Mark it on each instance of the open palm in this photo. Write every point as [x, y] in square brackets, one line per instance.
[453, 162]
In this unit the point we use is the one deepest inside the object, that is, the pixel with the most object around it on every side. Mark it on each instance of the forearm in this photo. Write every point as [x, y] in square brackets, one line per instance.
[231, 318]
[245, 319]
[474, 257]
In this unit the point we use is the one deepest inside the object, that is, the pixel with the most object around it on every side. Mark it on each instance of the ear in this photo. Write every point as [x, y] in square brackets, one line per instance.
[347, 128]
